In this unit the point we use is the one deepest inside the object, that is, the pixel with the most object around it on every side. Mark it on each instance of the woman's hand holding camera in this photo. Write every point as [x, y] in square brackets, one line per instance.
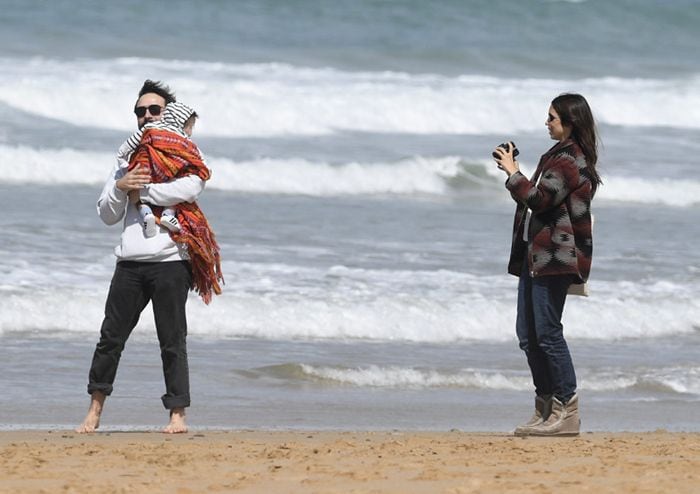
[505, 154]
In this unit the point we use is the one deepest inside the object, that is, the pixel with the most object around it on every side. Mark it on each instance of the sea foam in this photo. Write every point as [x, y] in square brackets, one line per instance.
[432, 175]
[272, 99]
[289, 302]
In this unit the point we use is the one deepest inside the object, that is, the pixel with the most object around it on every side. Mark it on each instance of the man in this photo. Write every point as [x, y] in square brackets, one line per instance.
[151, 269]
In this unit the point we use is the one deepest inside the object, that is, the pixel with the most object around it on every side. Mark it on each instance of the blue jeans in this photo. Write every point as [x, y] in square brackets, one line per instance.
[541, 336]
[134, 284]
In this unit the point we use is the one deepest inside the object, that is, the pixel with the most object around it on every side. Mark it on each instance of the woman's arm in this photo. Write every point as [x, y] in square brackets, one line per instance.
[559, 177]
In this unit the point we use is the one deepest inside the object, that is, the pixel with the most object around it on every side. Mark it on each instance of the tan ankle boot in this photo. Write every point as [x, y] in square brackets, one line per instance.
[543, 407]
[563, 421]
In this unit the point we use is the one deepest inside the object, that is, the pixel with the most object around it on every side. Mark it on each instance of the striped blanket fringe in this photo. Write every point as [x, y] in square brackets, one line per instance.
[168, 156]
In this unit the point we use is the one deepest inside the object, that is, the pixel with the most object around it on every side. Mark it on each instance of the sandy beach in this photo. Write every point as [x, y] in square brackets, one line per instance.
[346, 462]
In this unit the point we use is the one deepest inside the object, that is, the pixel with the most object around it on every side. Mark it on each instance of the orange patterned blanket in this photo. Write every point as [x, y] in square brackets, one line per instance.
[169, 156]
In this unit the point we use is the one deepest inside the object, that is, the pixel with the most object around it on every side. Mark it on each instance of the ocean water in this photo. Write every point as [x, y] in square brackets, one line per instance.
[364, 228]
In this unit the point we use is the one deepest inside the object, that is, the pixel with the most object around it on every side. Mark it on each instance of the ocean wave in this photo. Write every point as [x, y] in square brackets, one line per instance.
[432, 175]
[290, 302]
[416, 175]
[666, 191]
[273, 99]
[39, 165]
[405, 377]
[673, 380]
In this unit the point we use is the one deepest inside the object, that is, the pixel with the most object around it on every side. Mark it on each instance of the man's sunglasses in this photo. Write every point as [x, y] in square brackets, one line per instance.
[154, 110]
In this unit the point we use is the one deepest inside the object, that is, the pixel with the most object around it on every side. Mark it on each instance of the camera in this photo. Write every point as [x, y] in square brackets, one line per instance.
[504, 146]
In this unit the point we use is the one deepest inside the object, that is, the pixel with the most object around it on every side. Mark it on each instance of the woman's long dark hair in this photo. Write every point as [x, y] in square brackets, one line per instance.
[574, 112]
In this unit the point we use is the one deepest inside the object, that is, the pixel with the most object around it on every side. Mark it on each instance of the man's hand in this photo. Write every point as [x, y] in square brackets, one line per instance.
[136, 179]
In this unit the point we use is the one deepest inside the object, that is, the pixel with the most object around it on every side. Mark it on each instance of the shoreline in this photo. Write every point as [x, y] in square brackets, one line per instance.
[292, 461]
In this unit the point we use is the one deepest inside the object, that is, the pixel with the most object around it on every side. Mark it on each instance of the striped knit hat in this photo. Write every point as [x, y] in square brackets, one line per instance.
[175, 115]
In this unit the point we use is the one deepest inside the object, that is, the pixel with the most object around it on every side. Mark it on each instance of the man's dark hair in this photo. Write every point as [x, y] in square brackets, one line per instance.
[158, 88]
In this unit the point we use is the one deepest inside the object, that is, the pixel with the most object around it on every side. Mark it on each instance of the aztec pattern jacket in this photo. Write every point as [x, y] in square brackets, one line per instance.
[559, 235]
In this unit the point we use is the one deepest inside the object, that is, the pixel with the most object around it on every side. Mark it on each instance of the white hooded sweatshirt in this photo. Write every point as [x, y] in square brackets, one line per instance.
[113, 205]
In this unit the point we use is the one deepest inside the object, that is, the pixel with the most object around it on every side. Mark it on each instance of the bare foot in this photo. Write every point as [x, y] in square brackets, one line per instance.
[177, 422]
[92, 419]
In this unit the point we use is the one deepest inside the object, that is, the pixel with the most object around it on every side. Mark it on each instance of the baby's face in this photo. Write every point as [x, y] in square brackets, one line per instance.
[189, 128]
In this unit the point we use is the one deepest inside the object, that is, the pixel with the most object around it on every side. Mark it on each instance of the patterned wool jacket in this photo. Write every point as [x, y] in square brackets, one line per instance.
[559, 234]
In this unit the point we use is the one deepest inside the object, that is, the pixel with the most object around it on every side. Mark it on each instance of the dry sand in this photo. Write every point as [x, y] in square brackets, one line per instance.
[346, 462]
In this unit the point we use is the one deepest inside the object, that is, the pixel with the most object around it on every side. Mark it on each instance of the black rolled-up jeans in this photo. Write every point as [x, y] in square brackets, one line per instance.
[134, 284]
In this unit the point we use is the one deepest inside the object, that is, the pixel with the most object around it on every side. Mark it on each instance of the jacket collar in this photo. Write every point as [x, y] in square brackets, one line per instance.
[559, 146]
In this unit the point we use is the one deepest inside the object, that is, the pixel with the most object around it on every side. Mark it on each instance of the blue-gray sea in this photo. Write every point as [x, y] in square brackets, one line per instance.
[364, 228]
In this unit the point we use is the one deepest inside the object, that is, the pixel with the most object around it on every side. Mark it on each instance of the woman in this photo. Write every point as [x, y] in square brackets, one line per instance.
[552, 247]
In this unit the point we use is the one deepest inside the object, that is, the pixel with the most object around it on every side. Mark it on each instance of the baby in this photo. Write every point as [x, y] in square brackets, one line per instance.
[179, 119]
